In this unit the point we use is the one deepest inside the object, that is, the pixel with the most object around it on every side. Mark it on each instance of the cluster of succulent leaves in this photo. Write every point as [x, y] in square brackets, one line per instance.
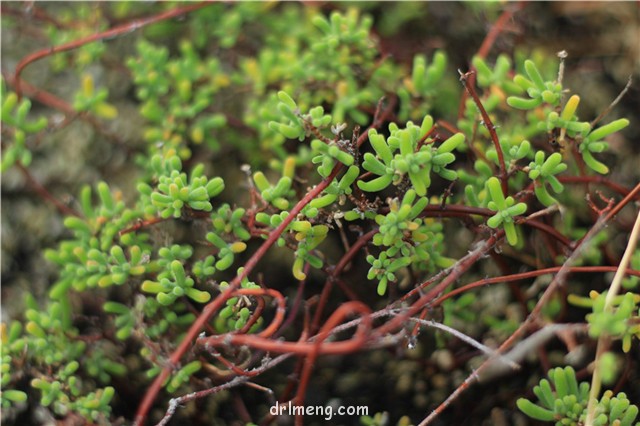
[312, 78]
[408, 240]
[51, 345]
[622, 322]
[235, 315]
[15, 115]
[561, 399]
[174, 191]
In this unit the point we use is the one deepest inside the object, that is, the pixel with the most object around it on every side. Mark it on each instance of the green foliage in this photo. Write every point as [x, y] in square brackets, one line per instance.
[308, 237]
[226, 224]
[174, 284]
[277, 194]
[15, 115]
[177, 95]
[631, 282]
[539, 90]
[423, 84]
[13, 344]
[174, 191]
[406, 153]
[50, 340]
[543, 172]
[506, 209]
[335, 192]
[73, 23]
[549, 94]
[236, 313]
[566, 405]
[93, 258]
[621, 323]
[407, 239]
[593, 143]
[285, 88]
[182, 376]
[496, 77]
[88, 99]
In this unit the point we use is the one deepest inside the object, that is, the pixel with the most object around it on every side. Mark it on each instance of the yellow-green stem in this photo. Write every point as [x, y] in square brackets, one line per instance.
[603, 340]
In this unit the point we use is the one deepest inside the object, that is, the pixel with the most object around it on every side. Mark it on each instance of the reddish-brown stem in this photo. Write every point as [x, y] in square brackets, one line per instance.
[425, 137]
[635, 192]
[516, 291]
[42, 192]
[416, 327]
[142, 224]
[355, 248]
[212, 307]
[297, 302]
[32, 12]
[497, 28]
[40, 95]
[456, 272]
[277, 321]
[463, 211]
[55, 102]
[488, 43]
[105, 35]
[334, 320]
[525, 275]
[424, 285]
[378, 120]
[488, 124]
[177, 402]
[233, 369]
[452, 210]
[324, 297]
[303, 347]
[255, 316]
[557, 281]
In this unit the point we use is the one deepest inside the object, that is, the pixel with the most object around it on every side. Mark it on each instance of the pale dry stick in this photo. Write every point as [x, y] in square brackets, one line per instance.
[175, 403]
[394, 339]
[614, 103]
[562, 55]
[555, 283]
[524, 348]
[614, 288]
[469, 340]
[213, 306]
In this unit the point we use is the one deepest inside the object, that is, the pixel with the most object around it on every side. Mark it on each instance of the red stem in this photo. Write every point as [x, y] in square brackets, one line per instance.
[114, 32]
[497, 28]
[550, 290]
[44, 193]
[488, 124]
[524, 275]
[356, 342]
[324, 297]
[456, 272]
[213, 306]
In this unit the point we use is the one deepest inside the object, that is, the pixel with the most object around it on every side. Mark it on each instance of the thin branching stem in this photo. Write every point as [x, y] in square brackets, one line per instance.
[105, 35]
[488, 124]
[212, 307]
[557, 281]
